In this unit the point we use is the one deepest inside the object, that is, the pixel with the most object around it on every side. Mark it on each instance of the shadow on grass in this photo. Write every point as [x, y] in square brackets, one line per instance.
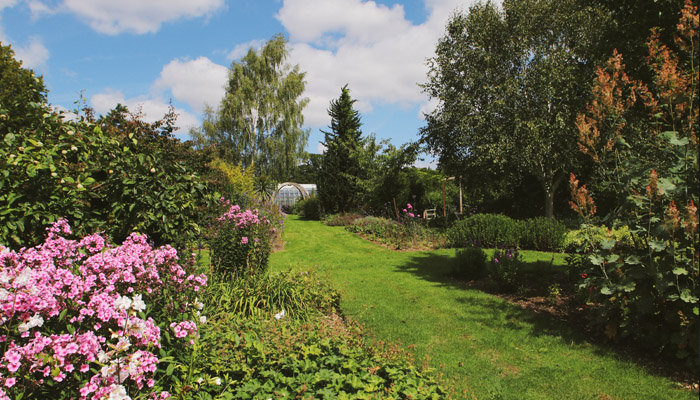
[498, 313]
[438, 269]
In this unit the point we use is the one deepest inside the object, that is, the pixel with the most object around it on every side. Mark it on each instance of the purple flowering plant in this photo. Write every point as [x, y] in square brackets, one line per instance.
[240, 241]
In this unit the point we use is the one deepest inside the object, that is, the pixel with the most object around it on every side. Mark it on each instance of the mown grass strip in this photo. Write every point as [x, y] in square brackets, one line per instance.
[483, 346]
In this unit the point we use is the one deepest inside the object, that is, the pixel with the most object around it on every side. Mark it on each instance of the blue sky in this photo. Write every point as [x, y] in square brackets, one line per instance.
[145, 53]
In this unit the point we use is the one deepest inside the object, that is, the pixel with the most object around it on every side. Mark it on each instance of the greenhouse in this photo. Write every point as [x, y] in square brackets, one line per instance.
[289, 193]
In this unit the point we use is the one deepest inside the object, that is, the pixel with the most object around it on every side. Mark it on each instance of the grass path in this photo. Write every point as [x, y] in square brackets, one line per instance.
[484, 347]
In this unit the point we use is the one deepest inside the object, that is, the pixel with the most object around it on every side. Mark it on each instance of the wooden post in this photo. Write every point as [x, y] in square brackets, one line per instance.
[460, 195]
[444, 201]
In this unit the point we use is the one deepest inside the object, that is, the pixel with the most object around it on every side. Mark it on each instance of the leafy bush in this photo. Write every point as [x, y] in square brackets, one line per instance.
[591, 237]
[543, 234]
[310, 208]
[299, 295]
[485, 230]
[240, 242]
[341, 219]
[471, 262]
[287, 358]
[87, 319]
[412, 232]
[506, 269]
[647, 292]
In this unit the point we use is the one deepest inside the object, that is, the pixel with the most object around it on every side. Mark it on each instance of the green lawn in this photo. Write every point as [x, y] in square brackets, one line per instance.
[483, 346]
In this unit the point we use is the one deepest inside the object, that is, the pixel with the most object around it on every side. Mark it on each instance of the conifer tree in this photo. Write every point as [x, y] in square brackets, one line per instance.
[340, 180]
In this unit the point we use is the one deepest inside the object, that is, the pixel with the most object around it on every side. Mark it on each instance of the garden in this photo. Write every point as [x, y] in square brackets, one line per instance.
[137, 266]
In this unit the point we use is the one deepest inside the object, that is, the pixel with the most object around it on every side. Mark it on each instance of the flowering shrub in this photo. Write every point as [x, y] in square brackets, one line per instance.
[646, 290]
[506, 269]
[82, 319]
[241, 241]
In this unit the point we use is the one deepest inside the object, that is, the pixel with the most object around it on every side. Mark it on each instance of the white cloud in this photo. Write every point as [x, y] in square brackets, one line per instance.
[198, 82]
[371, 47]
[242, 49]
[151, 108]
[320, 148]
[7, 3]
[138, 16]
[34, 55]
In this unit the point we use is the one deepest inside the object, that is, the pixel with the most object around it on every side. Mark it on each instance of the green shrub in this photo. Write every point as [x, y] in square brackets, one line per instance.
[485, 230]
[323, 358]
[341, 219]
[410, 233]
[542, 234]
[506, 269]
[300, 295]
[240, 242]
[590, 237]
[471, 262]
[310, 208]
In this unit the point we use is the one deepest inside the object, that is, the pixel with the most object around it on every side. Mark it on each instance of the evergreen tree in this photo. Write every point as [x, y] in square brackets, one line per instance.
[340, 181]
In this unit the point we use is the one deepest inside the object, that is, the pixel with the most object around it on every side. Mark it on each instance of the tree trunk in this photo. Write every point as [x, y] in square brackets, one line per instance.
[550, 188]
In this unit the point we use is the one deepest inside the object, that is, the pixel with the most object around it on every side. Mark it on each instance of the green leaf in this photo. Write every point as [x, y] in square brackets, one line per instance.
[629, 286]
[680, 271]
[596, 259]
[606, 290]
[632, 260]
[656, 245]
[607, 244]
[687, 297]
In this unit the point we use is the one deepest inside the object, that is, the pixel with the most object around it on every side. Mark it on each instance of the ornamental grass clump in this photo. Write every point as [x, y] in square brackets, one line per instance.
[240, 241]
[84, 319]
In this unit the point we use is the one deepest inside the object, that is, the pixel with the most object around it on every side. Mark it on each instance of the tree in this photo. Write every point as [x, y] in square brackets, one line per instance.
[339, 184]
[260, 117]
[510, 84]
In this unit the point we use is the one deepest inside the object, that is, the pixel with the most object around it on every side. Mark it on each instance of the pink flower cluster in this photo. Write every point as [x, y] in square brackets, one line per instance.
[72, 307]
[408, 211]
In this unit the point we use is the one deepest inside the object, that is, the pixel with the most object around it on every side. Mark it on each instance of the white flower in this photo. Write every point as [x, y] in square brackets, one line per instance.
[3, 294]
[280, 315]
[32, 322]
[123, 344]
[200, 380]
[123, 303]
[203, 319]
[118, 392]
[217, 381]
[138, 305]
[23, 278]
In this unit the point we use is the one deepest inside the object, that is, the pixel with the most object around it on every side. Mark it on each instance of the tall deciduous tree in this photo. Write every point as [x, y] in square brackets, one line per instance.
[259, 121]
[340, 180]
[510, 83]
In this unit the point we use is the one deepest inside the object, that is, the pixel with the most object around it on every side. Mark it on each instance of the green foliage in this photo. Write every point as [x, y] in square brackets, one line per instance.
[115, 173]
[321, 358]
[240, 242]
[506, 269]
[237, 179]
[646, 291]
[471, 262]
[410, 233]
[260, 117]
[310, 207]
[543, 234]
[484, 230]
[511, 81]
[591, 237]
[301, 295]
[340, 179]
[341, 219]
